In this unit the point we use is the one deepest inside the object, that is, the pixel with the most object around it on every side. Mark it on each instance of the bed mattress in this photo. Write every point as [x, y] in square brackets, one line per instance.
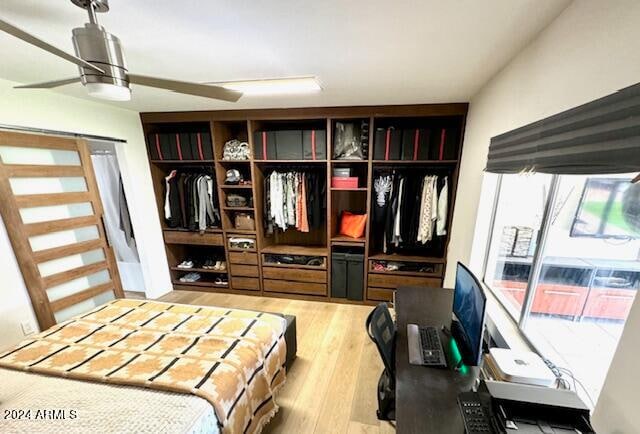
[33, 403]
[56, 381]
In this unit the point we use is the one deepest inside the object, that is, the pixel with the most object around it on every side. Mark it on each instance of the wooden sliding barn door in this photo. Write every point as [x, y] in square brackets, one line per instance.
[51, 208]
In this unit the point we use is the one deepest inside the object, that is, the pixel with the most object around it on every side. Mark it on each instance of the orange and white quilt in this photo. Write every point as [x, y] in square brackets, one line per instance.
[232, 358]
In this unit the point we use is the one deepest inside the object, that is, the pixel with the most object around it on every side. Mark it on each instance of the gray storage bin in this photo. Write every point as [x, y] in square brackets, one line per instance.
[289, 145]
[339, 275]
[264, 145]
[314, 149]
[355, 276]
[347, 275]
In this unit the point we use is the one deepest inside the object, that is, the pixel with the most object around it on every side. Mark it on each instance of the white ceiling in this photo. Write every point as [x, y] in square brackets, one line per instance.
[363, 51]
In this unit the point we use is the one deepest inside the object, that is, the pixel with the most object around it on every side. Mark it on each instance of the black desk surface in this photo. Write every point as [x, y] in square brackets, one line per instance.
[426, 398]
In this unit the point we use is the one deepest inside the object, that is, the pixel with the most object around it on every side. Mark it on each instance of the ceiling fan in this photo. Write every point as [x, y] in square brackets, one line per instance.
[100, 59]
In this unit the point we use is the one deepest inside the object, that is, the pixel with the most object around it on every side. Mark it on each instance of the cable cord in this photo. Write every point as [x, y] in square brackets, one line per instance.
[563, 383]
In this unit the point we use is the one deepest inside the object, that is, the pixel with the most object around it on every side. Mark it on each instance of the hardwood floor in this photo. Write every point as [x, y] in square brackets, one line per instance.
[331, 387]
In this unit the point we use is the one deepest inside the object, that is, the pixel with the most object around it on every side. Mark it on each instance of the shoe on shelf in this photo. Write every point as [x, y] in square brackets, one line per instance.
[221, 281]
[216, 266]
[393, 266]
[208, 264]
[223, 266]
[186, 264]
[379, 266]
[190, 277]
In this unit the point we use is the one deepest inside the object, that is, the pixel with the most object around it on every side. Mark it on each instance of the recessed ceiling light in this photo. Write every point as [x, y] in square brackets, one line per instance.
[274, 86]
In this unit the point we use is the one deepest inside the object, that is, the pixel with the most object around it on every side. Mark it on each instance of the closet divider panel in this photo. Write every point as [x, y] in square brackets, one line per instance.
[51, 208]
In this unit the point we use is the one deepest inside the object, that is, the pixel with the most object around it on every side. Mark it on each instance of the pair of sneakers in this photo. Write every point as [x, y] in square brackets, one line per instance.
[221, 281]
[186, 264]
[217, 265]
[190, 277]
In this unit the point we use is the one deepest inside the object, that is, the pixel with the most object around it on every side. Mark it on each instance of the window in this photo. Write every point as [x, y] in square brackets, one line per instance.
[518, 216]
[564, 260]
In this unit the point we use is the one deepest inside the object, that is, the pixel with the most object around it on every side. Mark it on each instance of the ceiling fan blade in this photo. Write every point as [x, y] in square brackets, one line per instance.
[49, 84]
[26, 37]
[205, 90]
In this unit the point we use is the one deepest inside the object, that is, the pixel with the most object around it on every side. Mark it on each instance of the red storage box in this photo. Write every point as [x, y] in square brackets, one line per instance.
[346, 182]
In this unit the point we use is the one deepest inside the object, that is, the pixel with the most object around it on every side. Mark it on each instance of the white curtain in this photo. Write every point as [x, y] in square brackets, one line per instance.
[108, 178]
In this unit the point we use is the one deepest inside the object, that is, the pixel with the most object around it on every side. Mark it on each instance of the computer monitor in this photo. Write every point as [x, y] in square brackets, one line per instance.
[469, 305]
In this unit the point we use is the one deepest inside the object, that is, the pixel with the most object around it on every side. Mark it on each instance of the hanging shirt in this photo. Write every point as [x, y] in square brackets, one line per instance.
[397, 238]
[441, 223]
[167, 205]
[425, 231]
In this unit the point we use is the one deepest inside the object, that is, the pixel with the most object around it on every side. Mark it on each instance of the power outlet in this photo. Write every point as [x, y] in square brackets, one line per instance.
[27, 328]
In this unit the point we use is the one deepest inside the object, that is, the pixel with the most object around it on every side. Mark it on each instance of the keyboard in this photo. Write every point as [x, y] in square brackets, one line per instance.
[425, 346]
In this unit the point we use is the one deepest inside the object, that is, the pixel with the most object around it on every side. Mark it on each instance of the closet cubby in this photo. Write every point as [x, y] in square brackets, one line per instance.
[417, 139]
[350, 139]
[290, 140]
[179, 142]
[422, 140]
[223, 131]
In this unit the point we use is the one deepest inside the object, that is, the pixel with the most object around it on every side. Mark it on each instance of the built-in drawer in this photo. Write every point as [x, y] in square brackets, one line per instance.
[244, 270]
[178, 237]
[303, 288]
[241, 243]
[391, 281]
[407, 268]
[243, 258]
[316, 276]
[380, 294]
[249, 283]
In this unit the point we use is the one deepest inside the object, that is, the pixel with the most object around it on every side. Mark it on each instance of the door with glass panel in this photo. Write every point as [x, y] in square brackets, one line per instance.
[50, 205]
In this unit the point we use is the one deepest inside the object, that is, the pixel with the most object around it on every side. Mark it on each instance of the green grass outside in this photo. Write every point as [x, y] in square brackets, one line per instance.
[616, 218]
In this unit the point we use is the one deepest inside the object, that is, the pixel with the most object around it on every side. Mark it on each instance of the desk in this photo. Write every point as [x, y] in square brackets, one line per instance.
[426, 398]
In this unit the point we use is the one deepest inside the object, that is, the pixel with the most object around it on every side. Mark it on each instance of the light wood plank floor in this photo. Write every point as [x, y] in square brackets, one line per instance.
[331, 387]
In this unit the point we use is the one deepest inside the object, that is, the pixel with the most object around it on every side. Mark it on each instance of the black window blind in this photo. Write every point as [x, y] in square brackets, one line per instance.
[602, 136]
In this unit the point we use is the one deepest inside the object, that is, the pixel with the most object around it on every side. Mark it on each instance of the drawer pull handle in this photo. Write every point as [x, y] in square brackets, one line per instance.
[569, 293]
[514, 289]
[617, 297]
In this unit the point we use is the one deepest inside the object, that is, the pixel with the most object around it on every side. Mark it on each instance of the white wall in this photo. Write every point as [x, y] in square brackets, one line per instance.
[592, 49]
[50, 110]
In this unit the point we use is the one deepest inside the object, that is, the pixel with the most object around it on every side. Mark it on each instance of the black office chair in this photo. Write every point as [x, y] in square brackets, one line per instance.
[382, 330]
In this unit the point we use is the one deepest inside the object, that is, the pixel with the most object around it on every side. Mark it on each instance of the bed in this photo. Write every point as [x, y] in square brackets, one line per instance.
[193, 370]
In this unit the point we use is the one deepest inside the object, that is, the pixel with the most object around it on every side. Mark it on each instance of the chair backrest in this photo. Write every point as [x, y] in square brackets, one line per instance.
[382, 330]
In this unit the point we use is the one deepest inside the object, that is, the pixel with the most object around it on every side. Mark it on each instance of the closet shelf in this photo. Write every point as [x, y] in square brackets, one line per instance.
[200, 283]
[237, 208]
[415, 161]
[221, 161]
[208, 231]
[232, 232]
[350, 161]
[290, 249]
[290, 161]
[199, 270]
[343, 239]
[236, 186]
[182, 161]
[409, 258]
[349, 189]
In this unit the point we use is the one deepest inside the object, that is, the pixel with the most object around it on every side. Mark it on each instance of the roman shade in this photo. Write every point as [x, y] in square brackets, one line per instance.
[599, 137]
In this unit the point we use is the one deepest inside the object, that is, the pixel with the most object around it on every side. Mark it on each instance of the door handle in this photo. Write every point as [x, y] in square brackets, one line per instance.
[104, 230]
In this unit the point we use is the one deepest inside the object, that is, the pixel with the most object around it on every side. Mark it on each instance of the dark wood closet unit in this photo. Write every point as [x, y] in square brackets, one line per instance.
[408, 141]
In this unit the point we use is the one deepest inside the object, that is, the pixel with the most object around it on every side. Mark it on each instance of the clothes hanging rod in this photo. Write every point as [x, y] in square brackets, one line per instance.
[59, 133]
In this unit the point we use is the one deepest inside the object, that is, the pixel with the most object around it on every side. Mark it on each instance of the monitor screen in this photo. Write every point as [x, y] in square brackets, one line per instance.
[469, 304]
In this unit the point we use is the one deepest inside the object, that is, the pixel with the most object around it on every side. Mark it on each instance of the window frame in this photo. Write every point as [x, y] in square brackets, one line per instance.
[536, 265]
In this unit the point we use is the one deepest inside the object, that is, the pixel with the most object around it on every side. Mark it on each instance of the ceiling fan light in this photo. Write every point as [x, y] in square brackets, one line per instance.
[275, 86]
[111, 92]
